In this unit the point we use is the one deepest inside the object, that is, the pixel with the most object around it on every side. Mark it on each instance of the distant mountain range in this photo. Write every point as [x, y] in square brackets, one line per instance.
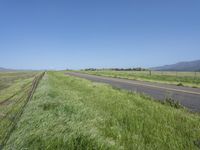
[5, 69]
[181, 66]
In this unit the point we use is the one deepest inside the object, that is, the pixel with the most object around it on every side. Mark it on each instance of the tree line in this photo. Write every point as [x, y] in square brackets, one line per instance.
[118, 69]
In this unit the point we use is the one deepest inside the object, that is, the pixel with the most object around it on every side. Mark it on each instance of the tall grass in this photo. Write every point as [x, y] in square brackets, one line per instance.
[72, 113]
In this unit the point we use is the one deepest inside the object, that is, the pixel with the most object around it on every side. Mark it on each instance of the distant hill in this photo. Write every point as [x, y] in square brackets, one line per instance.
[181, 66]
[5, 69]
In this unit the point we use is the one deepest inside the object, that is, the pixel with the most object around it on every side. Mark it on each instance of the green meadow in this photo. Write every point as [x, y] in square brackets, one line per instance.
[72, 113]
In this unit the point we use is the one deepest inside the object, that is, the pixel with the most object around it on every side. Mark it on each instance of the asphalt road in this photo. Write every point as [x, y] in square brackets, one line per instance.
[188, 97]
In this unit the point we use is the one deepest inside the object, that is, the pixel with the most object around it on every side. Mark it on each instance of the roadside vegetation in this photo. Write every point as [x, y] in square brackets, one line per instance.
[190, 79]
[15, 88]
[72, 113]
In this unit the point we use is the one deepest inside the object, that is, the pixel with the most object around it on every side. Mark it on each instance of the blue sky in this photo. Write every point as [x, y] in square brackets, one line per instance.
[59, 34]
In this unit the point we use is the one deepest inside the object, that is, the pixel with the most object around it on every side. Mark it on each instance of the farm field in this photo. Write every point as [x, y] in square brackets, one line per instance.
[15, 90]
[190, 79]
[71, 113]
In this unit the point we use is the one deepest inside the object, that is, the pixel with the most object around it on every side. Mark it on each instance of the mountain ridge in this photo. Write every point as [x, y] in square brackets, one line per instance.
[5, 69]
[180, 66]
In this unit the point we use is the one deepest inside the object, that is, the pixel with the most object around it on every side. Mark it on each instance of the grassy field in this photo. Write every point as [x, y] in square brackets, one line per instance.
[14, 91]
[71, 113]
[190, 79]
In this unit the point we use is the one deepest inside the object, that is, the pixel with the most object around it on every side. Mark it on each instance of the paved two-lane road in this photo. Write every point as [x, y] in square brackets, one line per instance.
[188, 97]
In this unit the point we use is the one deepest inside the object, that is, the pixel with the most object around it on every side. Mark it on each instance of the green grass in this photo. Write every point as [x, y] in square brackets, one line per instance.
[13, 82]
[176, 78]
[14, 91]
[71, 113]
[8, 78]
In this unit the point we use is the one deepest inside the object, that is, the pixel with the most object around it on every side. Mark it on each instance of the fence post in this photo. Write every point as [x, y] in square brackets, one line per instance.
[195, 75]
[150, 72]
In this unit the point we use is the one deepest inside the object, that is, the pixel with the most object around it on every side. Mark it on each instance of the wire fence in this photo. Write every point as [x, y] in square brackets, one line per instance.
[168, 73]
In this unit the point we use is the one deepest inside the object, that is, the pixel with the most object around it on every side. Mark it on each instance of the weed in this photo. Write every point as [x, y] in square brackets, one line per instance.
[180, 84]
[173, 103]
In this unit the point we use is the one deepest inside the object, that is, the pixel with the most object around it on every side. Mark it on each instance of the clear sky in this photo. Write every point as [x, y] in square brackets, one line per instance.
[59, 34]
